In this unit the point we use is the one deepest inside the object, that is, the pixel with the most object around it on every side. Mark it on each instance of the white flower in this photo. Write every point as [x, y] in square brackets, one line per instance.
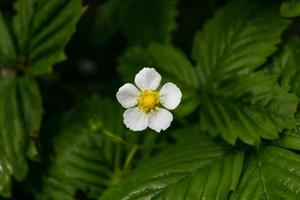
[145, 104]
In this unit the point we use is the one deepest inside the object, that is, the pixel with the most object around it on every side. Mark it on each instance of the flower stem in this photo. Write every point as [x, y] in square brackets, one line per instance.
[129, 158]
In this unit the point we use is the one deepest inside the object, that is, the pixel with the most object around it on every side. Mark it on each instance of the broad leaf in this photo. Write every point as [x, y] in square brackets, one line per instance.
[273, 173]
[43, 28]
[290, 8]
[7, 49]
[235, 99]
[140, 21]
[198, 168]
[171, 63]
[244, 105]
[15, 140]
[286, 66]
[228, 47]
[290, 139]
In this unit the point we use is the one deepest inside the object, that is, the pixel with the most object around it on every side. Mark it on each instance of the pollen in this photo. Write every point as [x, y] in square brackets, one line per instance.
[148, 100]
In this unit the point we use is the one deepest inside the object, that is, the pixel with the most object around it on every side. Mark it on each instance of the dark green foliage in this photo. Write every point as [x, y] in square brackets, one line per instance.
[227, 47]
[290, 8]
[290, 139]
[272, 173]
[140, 21]
[235, 134]
[233, 97]
[38, 47]
[19, 122]
[236, 98]
[7, 49]
[84, 158]
[286, 66]
[89, 151]
[196, 168]
[42, 46]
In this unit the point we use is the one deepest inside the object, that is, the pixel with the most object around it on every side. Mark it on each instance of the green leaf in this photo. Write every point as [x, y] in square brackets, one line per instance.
[31, 103]
[22, 21]
[286, 66]
[43, 29]
[32, 108]
[85, 159]
[273, 173]
[251, 107]
[290, 139]
[237, 40]
[236, 101]
[7, 49]
[14, 137]
[171, 63]
[189, 102]
[140, 21]
[290, 8]
[196, 169]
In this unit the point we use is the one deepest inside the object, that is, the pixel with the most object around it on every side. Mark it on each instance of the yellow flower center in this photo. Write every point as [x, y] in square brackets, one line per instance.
[148, 100]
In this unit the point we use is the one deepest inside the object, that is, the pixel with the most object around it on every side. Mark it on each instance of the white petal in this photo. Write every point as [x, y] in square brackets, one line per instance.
[147, 78]
[170, 96]
[127, 95]
[135, 119]
[160, 120]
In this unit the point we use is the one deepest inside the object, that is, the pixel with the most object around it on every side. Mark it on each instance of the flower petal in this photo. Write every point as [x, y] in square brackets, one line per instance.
[170, 96]
[147, 78]
[127, 95]
[135, 119]
[160, 120]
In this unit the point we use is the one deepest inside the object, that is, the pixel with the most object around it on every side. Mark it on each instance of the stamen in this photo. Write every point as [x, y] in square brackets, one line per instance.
[148, 100]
